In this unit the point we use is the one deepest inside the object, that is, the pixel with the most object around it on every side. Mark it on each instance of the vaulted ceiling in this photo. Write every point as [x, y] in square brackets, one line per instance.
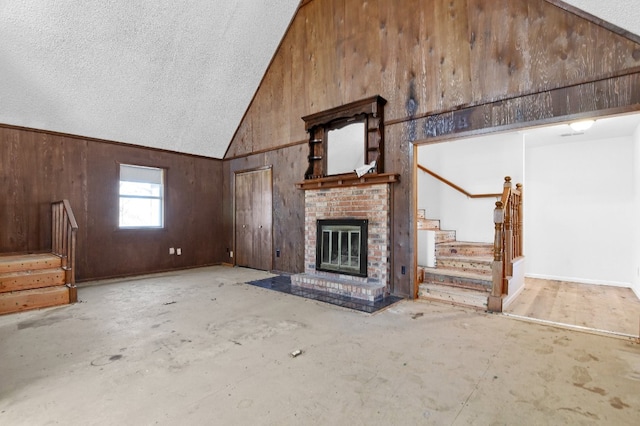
[164, 74]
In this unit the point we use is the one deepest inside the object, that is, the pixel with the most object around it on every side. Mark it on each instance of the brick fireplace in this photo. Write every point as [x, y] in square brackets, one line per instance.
[370, 202]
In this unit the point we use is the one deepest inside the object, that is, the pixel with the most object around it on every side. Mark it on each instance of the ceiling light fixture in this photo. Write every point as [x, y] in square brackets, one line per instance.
[582, 125]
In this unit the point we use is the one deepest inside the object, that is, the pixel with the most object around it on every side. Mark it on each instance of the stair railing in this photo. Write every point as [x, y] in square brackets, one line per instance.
[453, 185]
[63, 242]
[508, 243]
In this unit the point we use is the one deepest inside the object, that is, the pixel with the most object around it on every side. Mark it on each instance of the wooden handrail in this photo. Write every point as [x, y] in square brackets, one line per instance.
[70, 215]
[63, 242]
[454, 186]
[508, 241]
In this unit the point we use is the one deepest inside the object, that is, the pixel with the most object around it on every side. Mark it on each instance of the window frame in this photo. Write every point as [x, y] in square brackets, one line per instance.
[162, 197]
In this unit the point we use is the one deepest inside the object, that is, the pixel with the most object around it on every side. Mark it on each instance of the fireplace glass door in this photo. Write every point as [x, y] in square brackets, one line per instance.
[342, 246]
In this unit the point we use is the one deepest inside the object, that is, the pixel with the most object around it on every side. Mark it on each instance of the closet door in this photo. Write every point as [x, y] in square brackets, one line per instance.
[253, 218]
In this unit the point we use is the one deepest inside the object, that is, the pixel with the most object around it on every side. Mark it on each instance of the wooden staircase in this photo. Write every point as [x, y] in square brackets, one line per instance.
[32, 281]
[462, 275]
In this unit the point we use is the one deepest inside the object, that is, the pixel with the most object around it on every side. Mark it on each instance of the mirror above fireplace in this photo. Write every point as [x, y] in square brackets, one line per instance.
[346, 148]
[345, 138]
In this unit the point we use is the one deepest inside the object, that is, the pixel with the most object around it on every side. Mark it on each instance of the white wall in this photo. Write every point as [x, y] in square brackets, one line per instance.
[477, 165]
[635, 273]
[579, 202]
[580, 197]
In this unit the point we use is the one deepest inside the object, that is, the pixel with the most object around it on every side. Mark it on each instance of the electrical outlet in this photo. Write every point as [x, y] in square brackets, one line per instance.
[278, 253]
[404, 270]
[179, 251]
[172, 250]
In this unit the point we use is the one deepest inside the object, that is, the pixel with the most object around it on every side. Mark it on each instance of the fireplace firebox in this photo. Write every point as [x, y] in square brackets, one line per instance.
[341, 246]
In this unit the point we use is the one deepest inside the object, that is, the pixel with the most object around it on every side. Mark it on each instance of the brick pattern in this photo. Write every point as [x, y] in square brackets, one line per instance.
[341, 286]
[358, 202]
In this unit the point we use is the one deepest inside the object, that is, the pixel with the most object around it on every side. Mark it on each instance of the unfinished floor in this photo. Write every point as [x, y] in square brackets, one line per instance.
[201, 347]
[592, 308]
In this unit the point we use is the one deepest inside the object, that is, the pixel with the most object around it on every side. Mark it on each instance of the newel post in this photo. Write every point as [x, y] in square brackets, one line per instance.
[494, 303]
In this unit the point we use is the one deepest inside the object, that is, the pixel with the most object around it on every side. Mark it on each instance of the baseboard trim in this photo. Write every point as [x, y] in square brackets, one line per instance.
[575, 327]
[580, 280]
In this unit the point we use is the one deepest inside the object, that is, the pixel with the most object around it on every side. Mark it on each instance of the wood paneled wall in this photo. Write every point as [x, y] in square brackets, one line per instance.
[446, 68]
[424, 57]
[288, 203]
[37, 168]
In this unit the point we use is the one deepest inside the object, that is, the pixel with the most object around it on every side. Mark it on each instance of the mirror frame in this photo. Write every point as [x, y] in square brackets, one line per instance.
[369, 110]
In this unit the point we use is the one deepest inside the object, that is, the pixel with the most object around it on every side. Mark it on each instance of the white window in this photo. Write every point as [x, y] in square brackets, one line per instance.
[141, 197]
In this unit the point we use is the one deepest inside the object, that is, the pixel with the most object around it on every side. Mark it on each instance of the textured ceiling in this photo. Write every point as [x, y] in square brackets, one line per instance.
[175, 75]
[623, 13]
[165, 74]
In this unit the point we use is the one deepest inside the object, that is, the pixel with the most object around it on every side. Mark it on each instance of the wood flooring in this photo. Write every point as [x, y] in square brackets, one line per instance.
[599, 308]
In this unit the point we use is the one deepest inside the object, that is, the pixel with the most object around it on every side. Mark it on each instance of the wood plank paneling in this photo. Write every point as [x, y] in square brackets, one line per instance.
[288, 204]
[296, 37]
[401, 60]
[400, 160]
[498, 35]
[424, 58]
[288, 208]
[360, 53]
[607, 97]
[37, 168]
[446, 68]
[446, 54]
[193, 195]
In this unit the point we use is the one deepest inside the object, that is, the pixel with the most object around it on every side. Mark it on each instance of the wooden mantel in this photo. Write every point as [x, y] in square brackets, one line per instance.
[348, 180]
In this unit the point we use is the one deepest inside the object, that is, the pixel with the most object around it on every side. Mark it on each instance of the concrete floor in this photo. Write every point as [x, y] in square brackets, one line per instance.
[199, 347]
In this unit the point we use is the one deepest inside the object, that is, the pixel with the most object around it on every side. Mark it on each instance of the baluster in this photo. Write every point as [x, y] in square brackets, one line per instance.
[63, 238]
[514, 227]
[498, 220]
[508, 237]
[54, 228]
[58, 229]
[520, 220]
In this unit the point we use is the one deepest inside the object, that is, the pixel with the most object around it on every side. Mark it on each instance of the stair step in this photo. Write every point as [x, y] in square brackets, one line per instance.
[445, 236]
[456, 278]
[25, 280]
[28, 262]
[19, 301]
[453, 295]
[429, 224]
[464, 249]
[477, 265]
